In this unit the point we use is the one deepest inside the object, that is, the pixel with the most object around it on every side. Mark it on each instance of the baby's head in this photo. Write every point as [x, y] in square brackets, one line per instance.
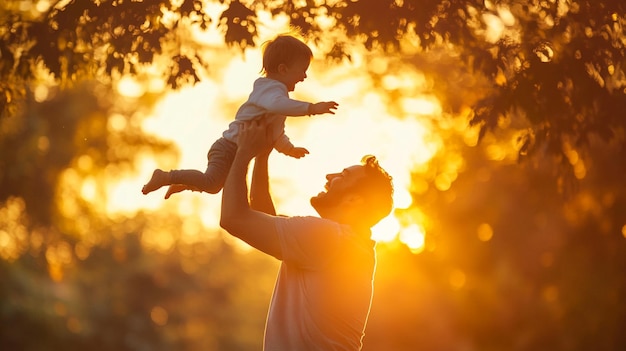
[284, 49]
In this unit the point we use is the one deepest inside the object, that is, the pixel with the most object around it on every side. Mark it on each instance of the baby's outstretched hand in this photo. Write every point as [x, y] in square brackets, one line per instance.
[297, 152]
[323, 107]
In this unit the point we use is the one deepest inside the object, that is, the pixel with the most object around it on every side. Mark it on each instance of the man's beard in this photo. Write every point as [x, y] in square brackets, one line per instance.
[325, 201]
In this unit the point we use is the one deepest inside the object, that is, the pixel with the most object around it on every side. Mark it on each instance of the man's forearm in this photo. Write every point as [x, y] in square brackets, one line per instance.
[260, 198]
[256, 228]
[235, 192]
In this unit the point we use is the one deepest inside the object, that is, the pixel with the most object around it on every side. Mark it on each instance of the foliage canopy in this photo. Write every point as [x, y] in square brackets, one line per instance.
[555, 67]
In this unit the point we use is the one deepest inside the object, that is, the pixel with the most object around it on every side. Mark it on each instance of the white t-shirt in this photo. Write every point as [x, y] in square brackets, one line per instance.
[324, 287]
[268, 96]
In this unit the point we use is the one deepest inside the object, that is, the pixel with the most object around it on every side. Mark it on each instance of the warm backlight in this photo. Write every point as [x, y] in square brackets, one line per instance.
[397, 133]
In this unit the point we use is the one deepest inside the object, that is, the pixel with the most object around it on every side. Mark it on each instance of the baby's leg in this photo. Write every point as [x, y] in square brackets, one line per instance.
[219, 158]
[159, 179]
[177, 188]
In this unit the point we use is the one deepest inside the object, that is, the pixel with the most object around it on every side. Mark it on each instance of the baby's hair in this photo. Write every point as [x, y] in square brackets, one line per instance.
[284, 49]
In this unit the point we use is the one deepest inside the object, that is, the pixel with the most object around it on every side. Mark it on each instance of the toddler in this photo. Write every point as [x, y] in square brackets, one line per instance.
[285, 62]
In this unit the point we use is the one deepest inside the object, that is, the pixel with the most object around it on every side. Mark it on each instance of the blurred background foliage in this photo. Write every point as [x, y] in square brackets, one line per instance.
[522, 254]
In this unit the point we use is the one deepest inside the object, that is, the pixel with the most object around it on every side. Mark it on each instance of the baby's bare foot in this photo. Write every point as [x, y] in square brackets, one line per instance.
[159, 179]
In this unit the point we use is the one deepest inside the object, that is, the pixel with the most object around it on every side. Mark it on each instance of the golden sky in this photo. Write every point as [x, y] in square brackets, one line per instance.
[366, 122]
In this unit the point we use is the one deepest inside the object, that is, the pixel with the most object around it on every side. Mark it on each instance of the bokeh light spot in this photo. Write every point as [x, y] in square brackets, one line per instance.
[159, 315]
[129, 87]
[116, 122]
[413, 236]
[443, 181]
[550, 293]
[484, 232]
[41, 93]
[495, 152]
[88, 190]
[74, 325]
[43, 143]
[495, 27]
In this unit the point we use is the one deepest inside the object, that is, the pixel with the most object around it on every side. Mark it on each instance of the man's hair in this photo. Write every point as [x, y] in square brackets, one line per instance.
[377, 188]
[284, 49]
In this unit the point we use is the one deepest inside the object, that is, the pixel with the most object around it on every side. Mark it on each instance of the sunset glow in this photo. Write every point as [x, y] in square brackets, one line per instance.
[365, 123]
[495, 119]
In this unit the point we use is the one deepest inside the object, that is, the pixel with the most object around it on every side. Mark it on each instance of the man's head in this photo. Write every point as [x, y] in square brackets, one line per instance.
[360, 195]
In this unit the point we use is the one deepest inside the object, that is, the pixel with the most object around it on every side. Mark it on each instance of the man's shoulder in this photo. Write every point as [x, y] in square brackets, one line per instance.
[313, 242]
[312, 225]
[306, 224]
[305, 220]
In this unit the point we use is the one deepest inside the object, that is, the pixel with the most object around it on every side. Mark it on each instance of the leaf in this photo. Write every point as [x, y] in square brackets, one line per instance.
[240, 23]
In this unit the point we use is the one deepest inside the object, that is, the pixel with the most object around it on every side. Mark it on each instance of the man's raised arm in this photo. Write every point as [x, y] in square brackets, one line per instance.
[238, 218]
[260, 197]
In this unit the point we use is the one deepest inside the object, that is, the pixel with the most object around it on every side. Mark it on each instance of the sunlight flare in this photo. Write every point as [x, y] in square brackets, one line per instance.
[386, 230]
[414, 237]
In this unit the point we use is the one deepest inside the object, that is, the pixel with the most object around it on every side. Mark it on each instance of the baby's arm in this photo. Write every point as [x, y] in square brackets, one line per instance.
[323, 107]
[296, 152]
[284, 146]
[274, 98]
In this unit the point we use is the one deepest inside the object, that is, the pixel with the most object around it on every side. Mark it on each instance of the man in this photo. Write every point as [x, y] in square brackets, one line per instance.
[323, 292]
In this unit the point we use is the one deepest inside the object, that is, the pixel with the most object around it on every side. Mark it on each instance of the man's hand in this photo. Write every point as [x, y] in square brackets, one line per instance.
[254, 138]
[323, 107]
[297, 152]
